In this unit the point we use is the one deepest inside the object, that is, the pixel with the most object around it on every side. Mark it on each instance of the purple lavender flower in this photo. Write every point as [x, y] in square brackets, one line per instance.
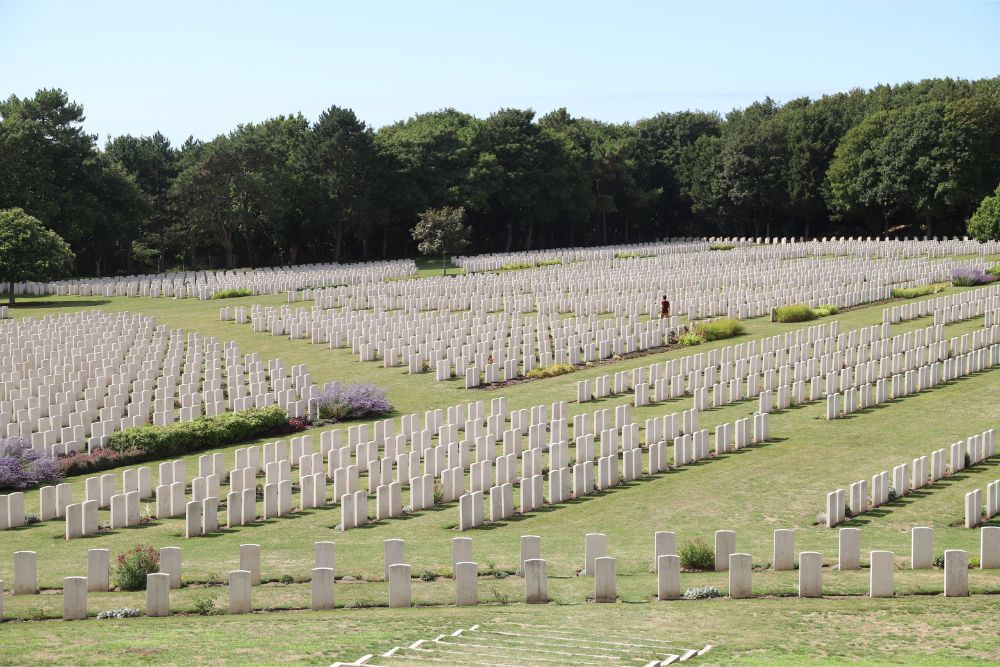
[22, 467]
[353, 401]
[967, 277]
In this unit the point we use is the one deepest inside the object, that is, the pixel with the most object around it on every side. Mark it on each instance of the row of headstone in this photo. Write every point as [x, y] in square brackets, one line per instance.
[908, 477]
[204, 284]
[68, 382]
[975, 513]
[532, 568]
[949, 308]
[796, 247]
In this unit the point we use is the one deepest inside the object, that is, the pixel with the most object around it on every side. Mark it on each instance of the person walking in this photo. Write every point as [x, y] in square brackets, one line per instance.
[664, 308]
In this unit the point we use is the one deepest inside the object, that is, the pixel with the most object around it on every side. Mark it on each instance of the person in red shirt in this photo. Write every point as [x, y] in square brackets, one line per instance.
[664, 308]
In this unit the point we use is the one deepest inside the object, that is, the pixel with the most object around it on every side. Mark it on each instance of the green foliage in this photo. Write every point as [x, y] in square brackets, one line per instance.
[994, 270]
[550, 262]
[798, 312]
[442, 231]
[914, 292]
[204, 605]
[630, 255]
[202, 433]
[702, 593]
[825, 310]
[130, 570]
[908, 159]
[719, 329]
[696, 554]
[119, 612]
[689, 339]
[427, 575]
[516, 266]
[721, 246]
[232, 293]
[984, 225]
[29, 251]
[550, 371]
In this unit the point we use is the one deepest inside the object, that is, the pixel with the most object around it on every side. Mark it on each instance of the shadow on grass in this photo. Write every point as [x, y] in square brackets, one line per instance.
[76, 303]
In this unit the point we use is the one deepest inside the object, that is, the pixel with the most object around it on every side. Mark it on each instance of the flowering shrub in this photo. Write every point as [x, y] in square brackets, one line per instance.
[969, 277]
[296, 424]
[22, 467]
[353, 401]
[82, 463]
[129, 573]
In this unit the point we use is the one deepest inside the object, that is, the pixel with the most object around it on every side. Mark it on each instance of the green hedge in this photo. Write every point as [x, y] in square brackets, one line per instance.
[826, 310]
[202, 433]
[718, 329]
[721, 246]
[798, 312]
[914, 292]
[550, 371]
[231, 293]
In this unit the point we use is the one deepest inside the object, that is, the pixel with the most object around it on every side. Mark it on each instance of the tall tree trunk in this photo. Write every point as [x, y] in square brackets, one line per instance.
[293, 253]
[10, 293]
[97, 266]
[510, 237]
[338, 240]
[527, 236]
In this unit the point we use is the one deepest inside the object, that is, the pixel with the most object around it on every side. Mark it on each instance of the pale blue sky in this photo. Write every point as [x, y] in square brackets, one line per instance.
[185, 68]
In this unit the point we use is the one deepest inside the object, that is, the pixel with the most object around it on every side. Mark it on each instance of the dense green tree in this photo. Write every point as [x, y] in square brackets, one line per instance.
[984, 225]
[908, 159]
[29, 251]
[442, 231]
[339, 163]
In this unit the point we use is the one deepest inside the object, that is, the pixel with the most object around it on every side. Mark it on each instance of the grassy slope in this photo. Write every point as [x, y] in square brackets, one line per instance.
[778, 485]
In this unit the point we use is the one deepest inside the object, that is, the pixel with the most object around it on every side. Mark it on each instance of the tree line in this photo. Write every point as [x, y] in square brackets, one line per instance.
[909, 159]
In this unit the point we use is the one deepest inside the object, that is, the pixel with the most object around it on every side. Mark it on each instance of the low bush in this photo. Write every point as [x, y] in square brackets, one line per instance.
[22, 467]
[918, 291]
[82, 463]
[232, 293]
[971, 277]
[689, 339]
[630, 255]
[994, 270]
[697, 555]
[826, 310]
[550, 262]
[202, 433]
[703, 593]
[131, 568]
[340, 402]
[798, 312]
[719, 329]
[550, 371]
[516, 266]
[721, 246]
[119, 612]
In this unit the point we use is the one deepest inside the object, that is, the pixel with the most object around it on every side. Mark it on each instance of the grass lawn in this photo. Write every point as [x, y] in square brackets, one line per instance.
[780, 484]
